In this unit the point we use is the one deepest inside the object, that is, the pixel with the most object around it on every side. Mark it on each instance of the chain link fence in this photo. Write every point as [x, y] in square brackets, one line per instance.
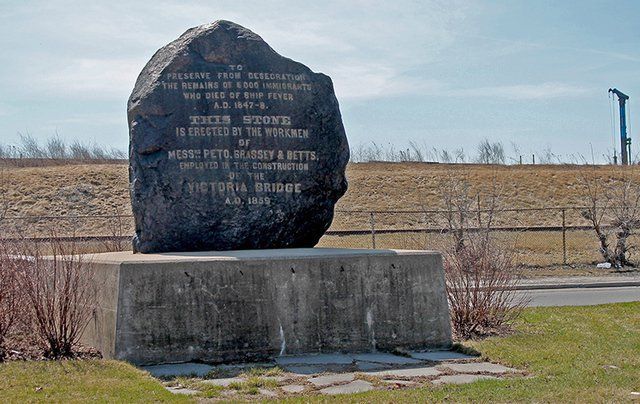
[539, 237]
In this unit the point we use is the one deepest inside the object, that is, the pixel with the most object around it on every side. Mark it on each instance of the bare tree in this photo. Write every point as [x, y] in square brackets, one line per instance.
[613, 210]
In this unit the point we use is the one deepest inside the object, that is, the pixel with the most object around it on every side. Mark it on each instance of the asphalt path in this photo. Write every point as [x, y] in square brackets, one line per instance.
[582, 296]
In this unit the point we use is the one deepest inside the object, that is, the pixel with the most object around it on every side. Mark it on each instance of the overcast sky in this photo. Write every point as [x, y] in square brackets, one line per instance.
[443, 73]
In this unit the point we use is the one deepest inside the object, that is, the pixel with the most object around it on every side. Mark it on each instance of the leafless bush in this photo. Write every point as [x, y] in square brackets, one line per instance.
[116, 227]
[480, 273]
[56, 148]
[490, 152]
[60, 294]
[613, 210]
[9, 296]
[117, 154]
[30, 148]
[79, 151]
[480, 279]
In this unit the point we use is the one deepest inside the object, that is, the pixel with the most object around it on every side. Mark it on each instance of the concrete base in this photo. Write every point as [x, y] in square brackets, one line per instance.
[256, 304]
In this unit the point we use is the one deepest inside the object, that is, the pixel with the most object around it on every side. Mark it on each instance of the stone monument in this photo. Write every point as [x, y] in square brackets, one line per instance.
[237, 160]
[232, 146]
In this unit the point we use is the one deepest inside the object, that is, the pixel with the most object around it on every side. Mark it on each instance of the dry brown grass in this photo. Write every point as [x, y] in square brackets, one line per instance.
[103, 189]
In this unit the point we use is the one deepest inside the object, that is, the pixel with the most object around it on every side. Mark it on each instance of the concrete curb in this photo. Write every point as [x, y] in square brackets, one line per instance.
[578, 285]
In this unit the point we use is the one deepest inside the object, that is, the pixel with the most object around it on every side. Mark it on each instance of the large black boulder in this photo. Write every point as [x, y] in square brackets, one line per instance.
[232, 146]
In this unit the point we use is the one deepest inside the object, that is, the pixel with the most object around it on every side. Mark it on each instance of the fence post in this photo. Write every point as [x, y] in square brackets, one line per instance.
[564, 237]
[372, 219]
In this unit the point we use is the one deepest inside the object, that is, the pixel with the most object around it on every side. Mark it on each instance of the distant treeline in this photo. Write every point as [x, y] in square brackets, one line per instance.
[486, 152]
[55, 148]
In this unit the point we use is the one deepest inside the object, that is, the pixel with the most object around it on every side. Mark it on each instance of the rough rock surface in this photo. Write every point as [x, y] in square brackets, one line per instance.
[232, 146]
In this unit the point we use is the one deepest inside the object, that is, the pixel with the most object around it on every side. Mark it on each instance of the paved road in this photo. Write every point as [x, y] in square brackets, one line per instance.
[583, 296]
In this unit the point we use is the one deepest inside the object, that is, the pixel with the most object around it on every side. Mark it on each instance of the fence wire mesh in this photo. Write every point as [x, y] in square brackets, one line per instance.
[538, 237]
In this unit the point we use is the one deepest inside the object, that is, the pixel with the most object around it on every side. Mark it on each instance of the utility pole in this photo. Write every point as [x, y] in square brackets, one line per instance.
[625, 143]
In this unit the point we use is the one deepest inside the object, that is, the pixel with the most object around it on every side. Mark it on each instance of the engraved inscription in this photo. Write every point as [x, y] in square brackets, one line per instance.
[242, 141]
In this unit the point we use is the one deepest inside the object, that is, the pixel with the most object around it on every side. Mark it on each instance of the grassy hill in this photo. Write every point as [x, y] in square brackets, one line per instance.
[103, 188]
[81, 194]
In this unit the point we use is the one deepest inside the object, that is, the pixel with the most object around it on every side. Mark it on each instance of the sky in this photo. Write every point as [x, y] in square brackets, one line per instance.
[446, 74]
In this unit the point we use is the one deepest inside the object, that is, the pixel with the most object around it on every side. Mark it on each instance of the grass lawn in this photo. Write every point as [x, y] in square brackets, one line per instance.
[79, 381]
[574, 354]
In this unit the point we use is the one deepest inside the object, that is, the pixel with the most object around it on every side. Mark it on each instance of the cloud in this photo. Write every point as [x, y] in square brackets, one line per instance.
[96, 51]
[522, 91]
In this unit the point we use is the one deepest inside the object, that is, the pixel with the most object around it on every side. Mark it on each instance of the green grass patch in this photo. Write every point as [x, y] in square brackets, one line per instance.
[571, 354]
[80, 381]
[252, 384]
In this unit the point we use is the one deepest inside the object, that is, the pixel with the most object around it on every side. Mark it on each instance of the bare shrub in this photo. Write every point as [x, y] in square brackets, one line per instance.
[613, 211]
[56, 148]
[490, 152]
[99, 153]
[116, 227]
[9, 295]
[481, 275]
[30, 148]
[117, 154]
[480, 280]
[60, 294]
[79, 151]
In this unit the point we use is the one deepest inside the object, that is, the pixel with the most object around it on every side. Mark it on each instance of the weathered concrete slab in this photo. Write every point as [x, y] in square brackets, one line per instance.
[357, 386]
[427, 371]
[438, 356]
[460, 379]
[479, 367]
[252, 305]
[178, 369]
[328, 380]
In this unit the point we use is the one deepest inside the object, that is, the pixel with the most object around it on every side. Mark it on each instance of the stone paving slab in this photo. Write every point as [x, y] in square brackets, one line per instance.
[385, 358]
[478, 367]
[335, 373]
[328, 380]
[182, 390]
[293, 388]
[438, 356]
[357, 386]
[224, 382]
[268, 393]
[320, 359]
[460, 379]
[411, 372]
[178, 369]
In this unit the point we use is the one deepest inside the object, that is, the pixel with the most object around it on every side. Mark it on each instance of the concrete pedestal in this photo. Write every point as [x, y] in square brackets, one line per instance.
[256, 304]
